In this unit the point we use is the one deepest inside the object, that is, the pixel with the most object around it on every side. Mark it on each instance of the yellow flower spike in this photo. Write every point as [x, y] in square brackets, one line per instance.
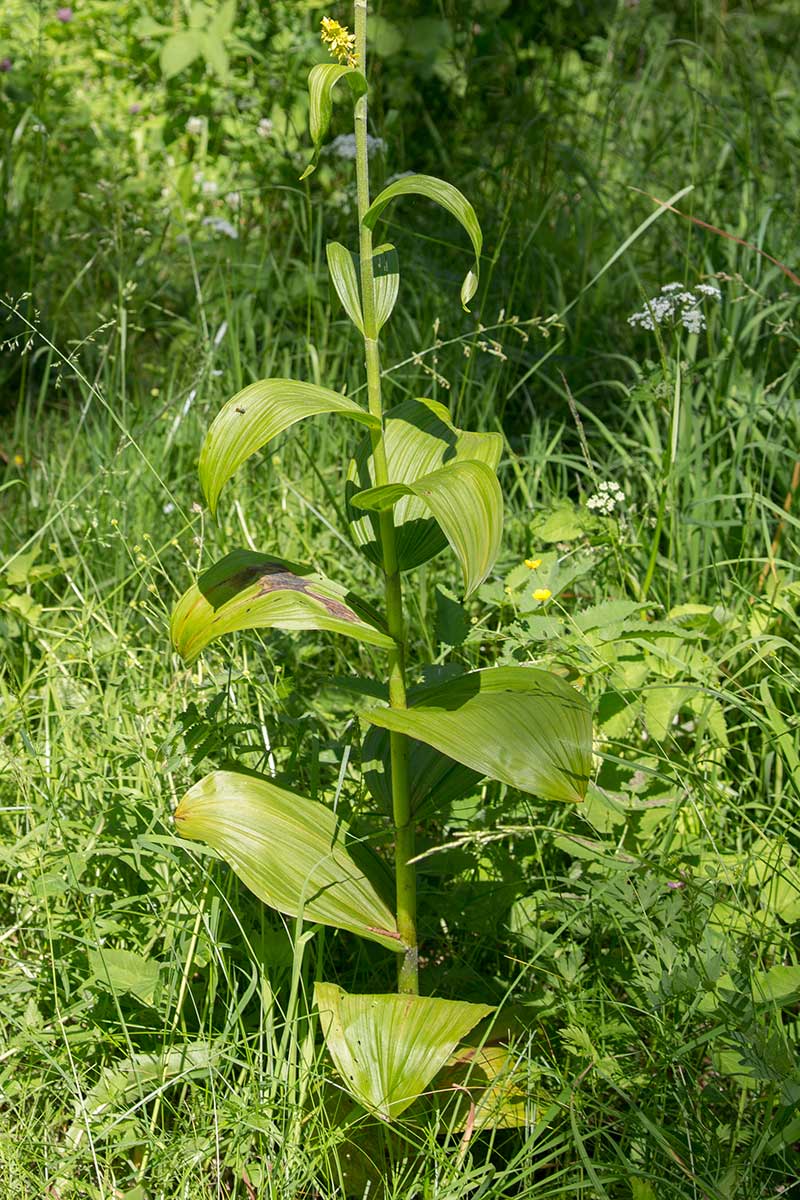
[542, 594]
[340, 42]
[533, 563]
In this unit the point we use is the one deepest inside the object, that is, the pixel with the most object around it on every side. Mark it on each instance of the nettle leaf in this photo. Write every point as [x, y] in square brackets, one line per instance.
[388, 1048]
[520, 725]
[322, 79]
[451, 199]
[179, 52]
[419, 439]
[258, 414]
[215, 54]
[224, 19]
[292, 852]
[125, 971]
[467, 503]
[344, 269]
[245, 590]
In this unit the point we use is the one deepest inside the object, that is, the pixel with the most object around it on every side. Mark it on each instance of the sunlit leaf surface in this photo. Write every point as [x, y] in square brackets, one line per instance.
[245, 590]
[451, 199]
[292, 852]
[520, 725]
[258, 414]
[420, 438]
[388, 1048]
[467, 504]
[321, 81]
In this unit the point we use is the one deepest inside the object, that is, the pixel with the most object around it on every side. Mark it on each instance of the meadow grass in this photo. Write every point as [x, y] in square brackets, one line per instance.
[641, 951]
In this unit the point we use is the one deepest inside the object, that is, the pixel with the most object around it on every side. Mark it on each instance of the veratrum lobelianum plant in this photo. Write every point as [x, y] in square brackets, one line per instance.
[416, 484]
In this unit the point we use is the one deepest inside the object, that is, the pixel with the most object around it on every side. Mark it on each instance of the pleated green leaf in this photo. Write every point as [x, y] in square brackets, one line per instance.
[434, 779]
[467, 503]
[520, 725]
[321, 81]
[292, 852]
[344, 274]
[419, 438]
[344, 270]
[451, 199]
[245, 590]
[388, 1048]
[258, 414]
[386, 276]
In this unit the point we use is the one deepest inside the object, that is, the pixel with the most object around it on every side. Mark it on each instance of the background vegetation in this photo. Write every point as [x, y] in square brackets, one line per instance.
[159, 253]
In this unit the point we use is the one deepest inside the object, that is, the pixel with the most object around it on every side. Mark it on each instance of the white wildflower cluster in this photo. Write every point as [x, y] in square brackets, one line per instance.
[344, 146]
[606, 499]
[195, 125]
[675, 303]
[265, 127]
[220, 225]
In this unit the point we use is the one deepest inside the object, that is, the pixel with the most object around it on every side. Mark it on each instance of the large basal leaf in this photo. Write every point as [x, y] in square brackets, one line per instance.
[292, 852]
[321, 81]
[520, 725]
[258, 414]
[419, 438]
[344, 267]
[388, 1048]
[245, 590]
[466, 501]
[451, 199]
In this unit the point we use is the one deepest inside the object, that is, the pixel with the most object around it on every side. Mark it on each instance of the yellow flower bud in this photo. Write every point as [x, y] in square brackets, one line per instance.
[542, 594]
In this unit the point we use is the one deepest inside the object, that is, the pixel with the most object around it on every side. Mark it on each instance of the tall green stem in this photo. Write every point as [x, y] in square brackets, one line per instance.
[405, 872]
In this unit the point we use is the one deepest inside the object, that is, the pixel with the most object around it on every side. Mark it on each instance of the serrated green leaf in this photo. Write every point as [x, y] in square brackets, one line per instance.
[520, 725]
[561, 523]
[419, 438]
[224, 19]
[467, 504]
[779, 985]
[125, 971]
[321, 81]
[179, 51]
[449, 198]
[128, 1079]
[388, 1048]
[292, 852]
[245, 590]
[661, 705]
[610, 612]
[146, 27]
[258, 414]
[215, 54]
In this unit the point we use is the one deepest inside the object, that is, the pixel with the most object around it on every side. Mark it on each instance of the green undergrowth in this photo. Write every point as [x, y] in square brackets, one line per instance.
[640, 948]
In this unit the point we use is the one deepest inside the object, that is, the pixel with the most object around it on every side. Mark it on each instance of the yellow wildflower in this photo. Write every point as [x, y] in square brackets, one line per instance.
[533, 563]
[19, 461]
[542, 594]
[340, 42]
